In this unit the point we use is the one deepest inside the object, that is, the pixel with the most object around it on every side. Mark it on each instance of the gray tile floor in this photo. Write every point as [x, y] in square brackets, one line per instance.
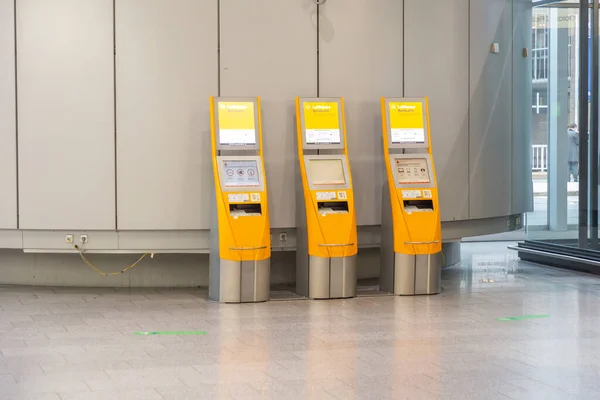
[79, 343]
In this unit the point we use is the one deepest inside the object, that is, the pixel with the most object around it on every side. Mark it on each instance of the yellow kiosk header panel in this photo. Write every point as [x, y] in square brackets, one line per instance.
[322, 123]
[407, 122]
[236, 125]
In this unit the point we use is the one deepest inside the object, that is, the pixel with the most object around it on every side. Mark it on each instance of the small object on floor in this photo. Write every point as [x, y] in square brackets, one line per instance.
[522, 317]
[171, 333]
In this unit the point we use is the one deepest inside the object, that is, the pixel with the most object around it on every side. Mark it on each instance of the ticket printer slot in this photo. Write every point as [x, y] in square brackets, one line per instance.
[245, 210]
[418, 205]
[333, 207]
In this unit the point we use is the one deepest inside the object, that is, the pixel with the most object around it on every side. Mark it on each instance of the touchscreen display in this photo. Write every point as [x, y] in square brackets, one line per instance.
[411, 170]
[236, 124]
[326, 172]
[238, 173]
[407, 124]
[322, 123]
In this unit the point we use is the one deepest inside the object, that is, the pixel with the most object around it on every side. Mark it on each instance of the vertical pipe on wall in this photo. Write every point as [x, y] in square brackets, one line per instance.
[16, 111]
[583, 122]
[218, 47]
[318, 49]
[593, 165]
[469, 113]
[114, 5]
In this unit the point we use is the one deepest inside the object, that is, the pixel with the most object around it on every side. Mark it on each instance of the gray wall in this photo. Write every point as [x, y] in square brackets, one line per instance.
[166, 68]
[113, 122]
[65, 100]
[443, 75]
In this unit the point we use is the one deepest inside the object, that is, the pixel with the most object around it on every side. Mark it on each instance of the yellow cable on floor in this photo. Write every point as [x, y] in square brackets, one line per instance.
[98, 270]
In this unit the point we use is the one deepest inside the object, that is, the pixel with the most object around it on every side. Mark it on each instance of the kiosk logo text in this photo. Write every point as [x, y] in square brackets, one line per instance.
[321, 108]
[233, 107]
[403, 108]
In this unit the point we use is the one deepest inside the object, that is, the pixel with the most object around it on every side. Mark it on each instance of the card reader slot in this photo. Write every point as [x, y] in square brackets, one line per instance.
[418, 205]
[245, 210]
[332, 207]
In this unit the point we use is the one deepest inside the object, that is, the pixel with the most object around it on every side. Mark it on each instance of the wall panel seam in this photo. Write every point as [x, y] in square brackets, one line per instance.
[318, 50]
[218, 47]
[116, 160]
[403, 48]
[469, 112]
[16, 113]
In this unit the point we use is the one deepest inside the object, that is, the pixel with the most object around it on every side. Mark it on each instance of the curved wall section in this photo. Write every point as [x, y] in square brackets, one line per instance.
[129, 167]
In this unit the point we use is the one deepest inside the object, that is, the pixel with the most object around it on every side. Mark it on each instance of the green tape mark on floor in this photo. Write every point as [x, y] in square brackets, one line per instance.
[171, 333]
[522, 317]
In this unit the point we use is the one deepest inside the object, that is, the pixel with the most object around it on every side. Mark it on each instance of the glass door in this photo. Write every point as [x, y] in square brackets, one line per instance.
[572, 133]
[556, 49]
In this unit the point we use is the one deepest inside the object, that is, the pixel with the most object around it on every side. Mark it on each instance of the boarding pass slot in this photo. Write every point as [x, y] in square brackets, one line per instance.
[333, 207]
[418, 205]
[245, 210]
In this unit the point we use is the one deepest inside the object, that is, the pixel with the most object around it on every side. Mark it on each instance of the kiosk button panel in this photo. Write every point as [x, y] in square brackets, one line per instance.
[240, 173]
[412, 170]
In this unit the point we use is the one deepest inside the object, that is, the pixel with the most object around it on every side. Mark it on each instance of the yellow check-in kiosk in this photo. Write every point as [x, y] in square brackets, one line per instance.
[411, 242]
[240, 254]
[325, 219]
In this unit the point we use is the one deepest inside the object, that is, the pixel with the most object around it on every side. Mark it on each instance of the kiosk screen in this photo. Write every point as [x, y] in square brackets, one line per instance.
[240, 173]
[236, 124]
[411, 170]
[407, 125]
[326, 172]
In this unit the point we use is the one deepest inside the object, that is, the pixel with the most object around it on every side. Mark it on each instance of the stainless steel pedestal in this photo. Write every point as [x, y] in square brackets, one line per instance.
[417, 274]
[327, 278]
[239, 281]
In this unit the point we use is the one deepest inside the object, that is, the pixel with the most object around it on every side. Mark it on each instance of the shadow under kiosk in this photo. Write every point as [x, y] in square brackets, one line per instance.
[240, 254]
[411, 242]
[325, 218]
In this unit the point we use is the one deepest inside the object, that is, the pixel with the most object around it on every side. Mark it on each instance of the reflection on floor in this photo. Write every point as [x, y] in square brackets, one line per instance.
[67, 343]
[523, 234]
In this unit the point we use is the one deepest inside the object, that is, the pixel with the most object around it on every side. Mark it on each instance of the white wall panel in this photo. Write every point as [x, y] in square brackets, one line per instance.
[166, 69]
[361, 60]
[8, 134]
[443, 76]
[66, 114]
[268, 49]
[490, 146]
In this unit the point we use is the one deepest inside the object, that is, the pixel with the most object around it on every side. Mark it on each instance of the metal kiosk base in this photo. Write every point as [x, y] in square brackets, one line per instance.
[415, 275]
[239, 281]
[329, 278]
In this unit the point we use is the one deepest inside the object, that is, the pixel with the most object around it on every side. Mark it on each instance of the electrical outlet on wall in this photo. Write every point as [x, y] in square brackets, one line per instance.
[282, 236]
[83, 238]
[69, 238]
